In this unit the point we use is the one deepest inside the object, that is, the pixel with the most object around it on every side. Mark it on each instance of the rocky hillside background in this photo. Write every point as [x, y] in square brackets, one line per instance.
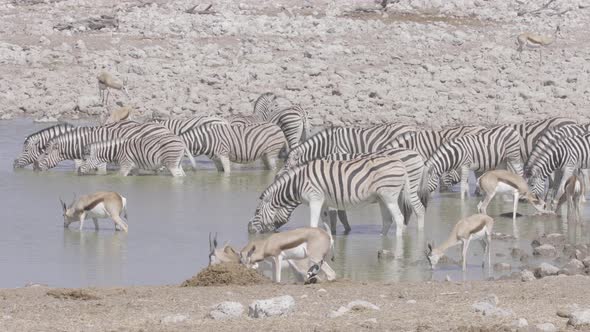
[429, 62]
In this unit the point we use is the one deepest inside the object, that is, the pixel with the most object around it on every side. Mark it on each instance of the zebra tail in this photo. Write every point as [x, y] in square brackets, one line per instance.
[329, 230]
[404, 202]
[190, 157]
[423, 192]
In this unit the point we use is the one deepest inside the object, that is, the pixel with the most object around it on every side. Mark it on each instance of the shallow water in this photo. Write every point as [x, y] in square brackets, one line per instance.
[170, 220]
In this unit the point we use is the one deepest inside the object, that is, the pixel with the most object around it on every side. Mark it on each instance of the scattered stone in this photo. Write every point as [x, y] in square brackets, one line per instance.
[360, 305]
[579, 318]
[520, 323]
[502, 236]
[411, 301]
[227, 310]
[546, 269]
[321, 290]
[174, 319]
[573, 267]
[546, 327]
[566, 312]
[545, 250]
[385, 254]
[370, 323]
[491, 299]
[276, 306]
[341, 311]
[526, 275]
[586, 261]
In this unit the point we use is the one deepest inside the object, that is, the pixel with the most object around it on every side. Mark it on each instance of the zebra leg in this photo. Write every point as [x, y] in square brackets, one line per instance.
[125, 168]
[397, 216]
[344, 220]
[269, 161]
[387, 218]
[464, 182]
[102, 169]
[584, 177]
[218, 164]
[226, 164]
[315, 211]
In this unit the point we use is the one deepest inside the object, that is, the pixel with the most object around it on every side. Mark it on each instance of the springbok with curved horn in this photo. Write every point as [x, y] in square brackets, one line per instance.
[120, 114]
[477, 226]
[532, 40]
[99, 205]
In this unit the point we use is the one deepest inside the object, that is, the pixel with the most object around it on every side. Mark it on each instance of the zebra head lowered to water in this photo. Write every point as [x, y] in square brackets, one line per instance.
[35, 143]
[334, 183]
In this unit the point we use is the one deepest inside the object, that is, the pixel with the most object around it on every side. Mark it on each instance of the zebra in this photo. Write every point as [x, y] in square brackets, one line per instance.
[530, 131]
[71, 144]
[543, 145]
[415, 200]
[480, 152]
[569, 154]
[144, 152]
[35, 143]
[179, 127]
[223, 143]
[335, 183]
[345, 140]
[292, 120]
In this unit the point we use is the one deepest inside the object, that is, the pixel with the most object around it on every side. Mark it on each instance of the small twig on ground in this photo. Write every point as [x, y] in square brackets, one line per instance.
[206, 11]
[522, 13]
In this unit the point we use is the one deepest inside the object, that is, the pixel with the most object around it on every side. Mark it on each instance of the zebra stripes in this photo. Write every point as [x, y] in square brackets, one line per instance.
[338, 184]
[71, 144]
[568, 155]
[416, 199]
[148, 152]
[179, 127]
[530, 131]
[292, 120]
[240, 144]
[480, 152]
[346, 140]
[35, 143]
[426, 142]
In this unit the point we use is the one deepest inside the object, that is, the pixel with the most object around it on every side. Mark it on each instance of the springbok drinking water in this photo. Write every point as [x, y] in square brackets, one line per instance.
[99, 205]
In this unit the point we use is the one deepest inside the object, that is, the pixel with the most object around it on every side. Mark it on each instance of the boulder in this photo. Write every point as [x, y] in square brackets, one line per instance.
[526, 275]
[580, 318]
[545, 250]
[546, 327]
[546, 269]
[276, 306]
[226, 310]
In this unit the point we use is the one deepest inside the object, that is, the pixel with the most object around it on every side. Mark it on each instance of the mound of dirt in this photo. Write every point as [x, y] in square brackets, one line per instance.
[226, 274]
[72, 294]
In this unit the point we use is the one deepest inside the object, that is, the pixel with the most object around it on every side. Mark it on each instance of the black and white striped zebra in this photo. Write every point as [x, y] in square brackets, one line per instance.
[415, 200]
[70, 145]
[480, 152]
[180, 126]
[531, 131]
[35, 143]
[338, 184]
[142, 152]
[565, 157]
[346, 140]
[292, 120]
[224, 143]
[425, 142]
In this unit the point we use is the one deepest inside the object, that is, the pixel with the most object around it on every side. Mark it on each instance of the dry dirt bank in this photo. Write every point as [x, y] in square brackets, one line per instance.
[431, 306]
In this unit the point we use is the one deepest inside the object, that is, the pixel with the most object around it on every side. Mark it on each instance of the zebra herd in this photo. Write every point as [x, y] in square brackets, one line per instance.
[394, 165]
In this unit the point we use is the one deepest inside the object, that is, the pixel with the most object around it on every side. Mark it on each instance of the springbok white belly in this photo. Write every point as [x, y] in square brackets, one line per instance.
[503, 188]
[482, 233]
[298, 252]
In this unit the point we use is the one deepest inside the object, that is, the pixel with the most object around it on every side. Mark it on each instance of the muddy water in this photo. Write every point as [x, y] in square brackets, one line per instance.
[170, 219]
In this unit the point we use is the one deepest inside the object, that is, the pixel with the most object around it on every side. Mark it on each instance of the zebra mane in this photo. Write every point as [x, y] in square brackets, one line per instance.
[280, 181]
[40, 132]
[264, 104]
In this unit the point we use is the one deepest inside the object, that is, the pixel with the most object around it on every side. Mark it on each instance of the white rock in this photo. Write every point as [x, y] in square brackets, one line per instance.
[358, 305]
[173, 319]
[276, 306]
[526, 275]
[411, 301]
[579, 318]
[545, 250]
[546, 327]
[227, 310]
[341, 311]
[546, 269]
[520, 323]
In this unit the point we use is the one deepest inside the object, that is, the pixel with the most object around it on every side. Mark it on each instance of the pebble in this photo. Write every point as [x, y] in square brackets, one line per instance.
[226, 310]
[276, 306]
[546, 327]
[174, 319]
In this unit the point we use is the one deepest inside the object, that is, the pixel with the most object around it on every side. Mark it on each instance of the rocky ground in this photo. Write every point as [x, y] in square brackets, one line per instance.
[427, 62]
[548, 304]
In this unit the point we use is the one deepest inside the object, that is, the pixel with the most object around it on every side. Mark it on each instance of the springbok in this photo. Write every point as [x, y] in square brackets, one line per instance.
[227, 254]
[307, 242]
[532, 40]
[99, 205]
[105, 83]
[503, 181]
[475, 227]
[573, 194]
[119, 115]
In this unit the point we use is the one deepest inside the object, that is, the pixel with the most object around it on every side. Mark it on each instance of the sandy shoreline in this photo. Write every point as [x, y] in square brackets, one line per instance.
[429, 306]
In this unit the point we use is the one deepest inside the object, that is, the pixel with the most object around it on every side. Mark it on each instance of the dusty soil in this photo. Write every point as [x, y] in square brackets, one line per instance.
[439, 306]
